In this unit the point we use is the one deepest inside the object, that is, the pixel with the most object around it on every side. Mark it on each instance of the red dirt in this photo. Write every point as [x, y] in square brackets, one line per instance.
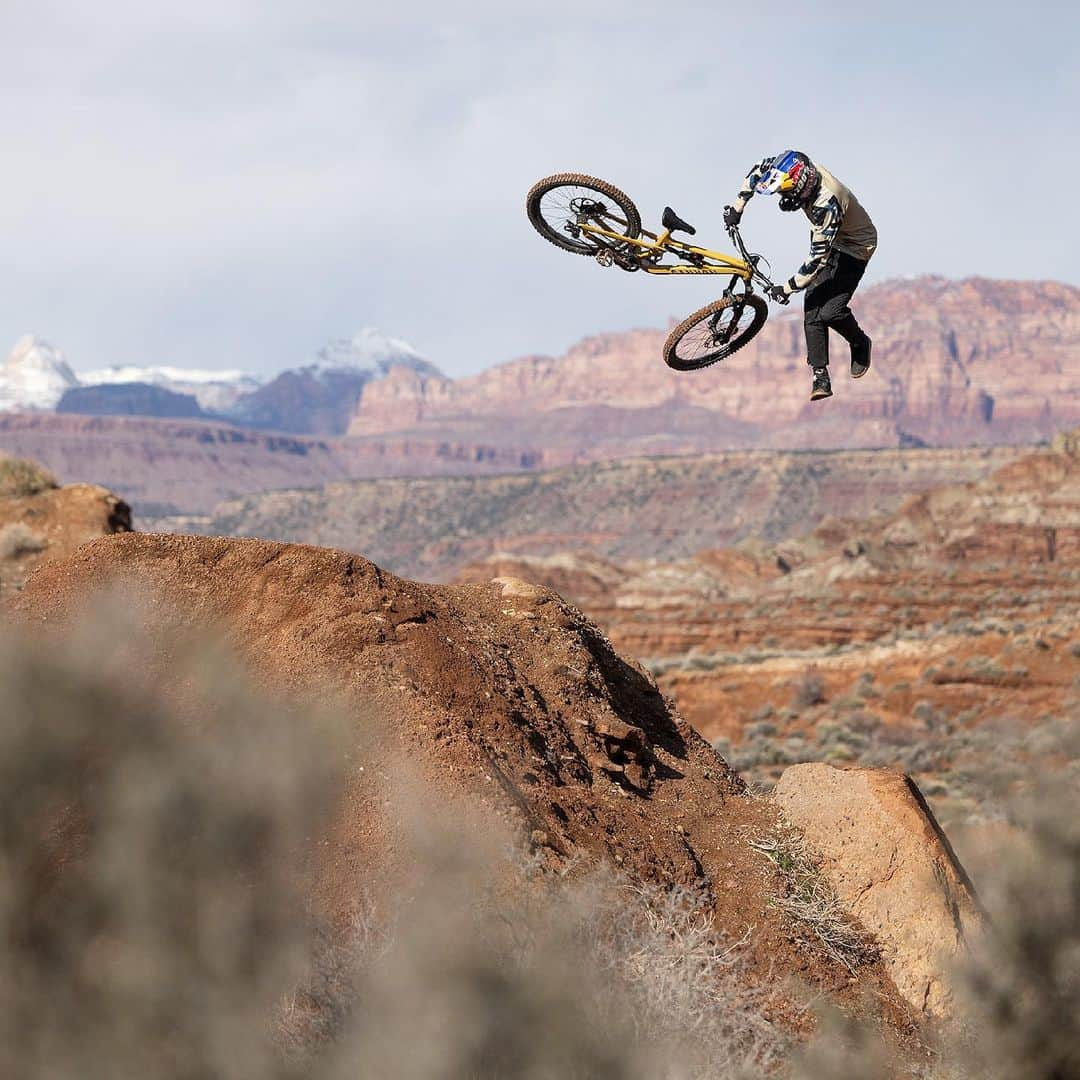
[507, 703]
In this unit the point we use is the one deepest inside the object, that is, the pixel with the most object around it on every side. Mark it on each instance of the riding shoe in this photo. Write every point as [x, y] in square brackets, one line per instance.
[860, 357]
[822, 388]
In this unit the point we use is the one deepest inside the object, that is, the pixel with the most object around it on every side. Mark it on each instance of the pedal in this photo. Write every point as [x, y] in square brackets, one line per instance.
[605, 257]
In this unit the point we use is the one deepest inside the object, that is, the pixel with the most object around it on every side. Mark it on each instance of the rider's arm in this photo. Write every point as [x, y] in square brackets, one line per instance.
[825, 219]
[746, 192]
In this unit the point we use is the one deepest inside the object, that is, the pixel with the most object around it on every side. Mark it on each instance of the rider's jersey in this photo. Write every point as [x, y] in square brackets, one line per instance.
[837, 220]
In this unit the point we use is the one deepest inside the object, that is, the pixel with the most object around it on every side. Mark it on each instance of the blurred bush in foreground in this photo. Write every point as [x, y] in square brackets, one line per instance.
[157, 819]
[151, 901]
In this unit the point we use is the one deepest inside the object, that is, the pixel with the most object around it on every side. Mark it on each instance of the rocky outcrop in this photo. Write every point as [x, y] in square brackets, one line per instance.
[891, 866]
[51, 524]
[175, 466]
[128, 399]
[954, 362]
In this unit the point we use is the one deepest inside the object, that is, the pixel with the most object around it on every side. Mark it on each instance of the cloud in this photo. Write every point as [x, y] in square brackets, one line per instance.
[233, 183]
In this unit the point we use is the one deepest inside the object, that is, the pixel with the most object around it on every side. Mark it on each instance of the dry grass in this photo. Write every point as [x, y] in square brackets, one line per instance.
[1022, 983]
[19, 476]
[569, 975]
[811, 903]
[18, 539]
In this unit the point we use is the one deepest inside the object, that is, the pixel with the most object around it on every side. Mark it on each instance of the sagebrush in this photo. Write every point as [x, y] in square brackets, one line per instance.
[19, 476]
[18, 539]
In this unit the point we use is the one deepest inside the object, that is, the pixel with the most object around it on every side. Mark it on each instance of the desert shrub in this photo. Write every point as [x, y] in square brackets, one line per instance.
[701, 662]
[19, 476]
[17, 538]
[809, 690]
[150, 912]
[926, 714]
[983, 667]
[810, 902]
[577, 977]
[153, 916]
[761, 728]
[864, 686]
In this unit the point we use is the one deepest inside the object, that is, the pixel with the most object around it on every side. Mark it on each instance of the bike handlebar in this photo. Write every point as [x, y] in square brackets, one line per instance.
[747, 257]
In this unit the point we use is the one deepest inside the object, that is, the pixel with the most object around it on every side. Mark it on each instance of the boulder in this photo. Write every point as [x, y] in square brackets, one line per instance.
[42, 525]
[891, 865]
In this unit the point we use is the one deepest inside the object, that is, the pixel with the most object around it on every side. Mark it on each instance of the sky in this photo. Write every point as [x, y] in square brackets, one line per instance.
[231, 184]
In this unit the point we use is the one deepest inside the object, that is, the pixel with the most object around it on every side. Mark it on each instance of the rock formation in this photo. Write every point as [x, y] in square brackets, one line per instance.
[41, 521]
[954, 362]
[174, 466]
[891, 865]
[128, 399]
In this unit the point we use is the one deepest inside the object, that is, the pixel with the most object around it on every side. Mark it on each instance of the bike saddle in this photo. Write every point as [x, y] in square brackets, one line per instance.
[672, 221]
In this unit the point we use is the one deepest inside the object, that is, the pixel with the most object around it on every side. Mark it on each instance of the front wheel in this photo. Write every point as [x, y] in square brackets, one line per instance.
[559, 205]
[714, 332]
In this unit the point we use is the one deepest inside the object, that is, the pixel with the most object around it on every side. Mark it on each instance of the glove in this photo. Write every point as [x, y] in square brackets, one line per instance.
[732, 217]
[779, 294]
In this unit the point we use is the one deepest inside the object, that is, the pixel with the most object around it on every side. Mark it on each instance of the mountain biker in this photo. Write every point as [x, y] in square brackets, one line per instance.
[842, 239]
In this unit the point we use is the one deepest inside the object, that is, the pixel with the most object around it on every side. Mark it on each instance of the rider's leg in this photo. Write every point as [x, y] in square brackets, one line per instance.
[817, 334]
[837, 315]
[817, 331]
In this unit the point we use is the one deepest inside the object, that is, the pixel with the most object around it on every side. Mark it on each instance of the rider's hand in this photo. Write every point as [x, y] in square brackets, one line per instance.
[732, 217]
[779, 294]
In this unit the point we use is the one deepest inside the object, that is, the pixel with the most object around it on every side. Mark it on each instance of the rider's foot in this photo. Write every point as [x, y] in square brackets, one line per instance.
[822, 387]
[860, 357]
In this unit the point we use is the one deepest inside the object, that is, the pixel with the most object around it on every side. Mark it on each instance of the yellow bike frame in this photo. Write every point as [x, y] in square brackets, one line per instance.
[654, 249]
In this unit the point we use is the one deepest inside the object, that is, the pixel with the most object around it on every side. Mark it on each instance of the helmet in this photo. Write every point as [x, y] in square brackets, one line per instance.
[793, 175]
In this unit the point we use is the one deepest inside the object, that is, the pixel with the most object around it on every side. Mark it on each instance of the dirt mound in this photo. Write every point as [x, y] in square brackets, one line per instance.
[505, 699]
[51, 524]
[892, 866]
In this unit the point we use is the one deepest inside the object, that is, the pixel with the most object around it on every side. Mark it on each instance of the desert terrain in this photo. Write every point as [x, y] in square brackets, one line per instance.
[940, 638]
[957, 363]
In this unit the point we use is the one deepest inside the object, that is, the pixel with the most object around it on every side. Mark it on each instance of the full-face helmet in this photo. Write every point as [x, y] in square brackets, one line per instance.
[792, 175]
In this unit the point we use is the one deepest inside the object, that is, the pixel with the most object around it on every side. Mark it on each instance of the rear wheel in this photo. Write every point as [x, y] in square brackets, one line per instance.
[559, 205]
[714, 332]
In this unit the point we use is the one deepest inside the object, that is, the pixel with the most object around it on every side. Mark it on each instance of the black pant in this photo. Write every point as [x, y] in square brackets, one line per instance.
[826, 306]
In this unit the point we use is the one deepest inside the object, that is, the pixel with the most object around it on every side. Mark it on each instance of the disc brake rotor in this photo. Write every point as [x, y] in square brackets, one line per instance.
[587, 208]
[722, 334]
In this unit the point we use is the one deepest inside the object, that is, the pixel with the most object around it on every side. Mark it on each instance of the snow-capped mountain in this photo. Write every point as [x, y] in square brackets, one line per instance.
[317, 397]
[34, 376]
[215, 391]
[370, 350]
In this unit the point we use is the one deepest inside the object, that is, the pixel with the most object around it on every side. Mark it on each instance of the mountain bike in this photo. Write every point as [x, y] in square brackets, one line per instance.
[591, 217]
